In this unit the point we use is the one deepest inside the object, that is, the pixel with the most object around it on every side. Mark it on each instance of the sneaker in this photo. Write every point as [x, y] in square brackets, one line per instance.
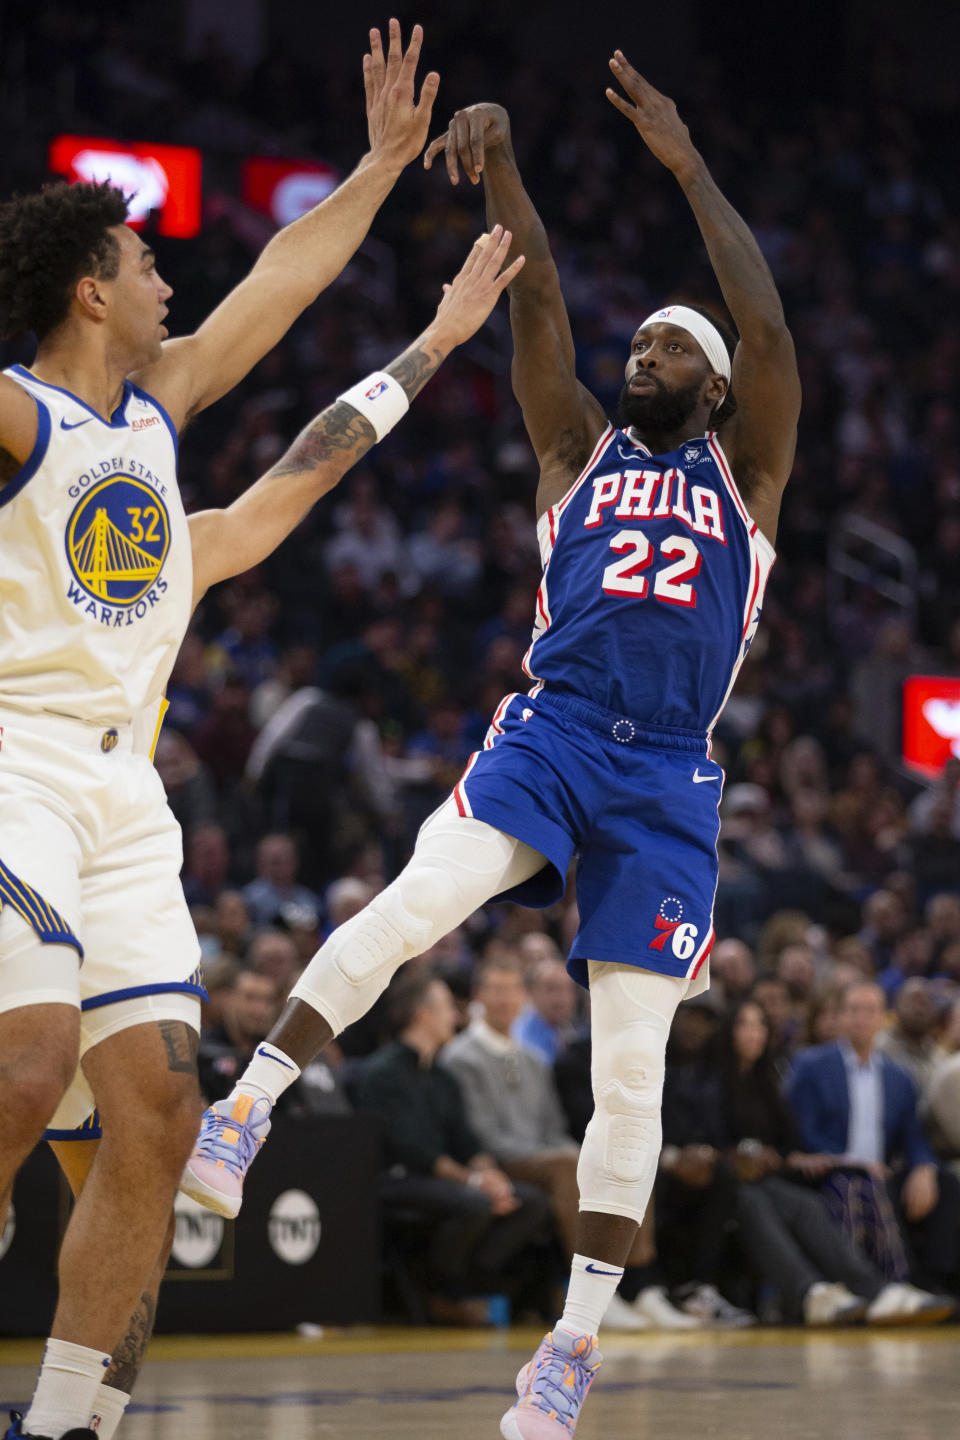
[622, 1316]
[653, 1306]
[231, 1133]
[706, 1304]
[17, 1432]
[906, 1305]
[552, 1388]
[826, 1304]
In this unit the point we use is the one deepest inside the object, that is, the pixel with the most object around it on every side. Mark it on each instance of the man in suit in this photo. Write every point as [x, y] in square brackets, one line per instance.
[858, 1113]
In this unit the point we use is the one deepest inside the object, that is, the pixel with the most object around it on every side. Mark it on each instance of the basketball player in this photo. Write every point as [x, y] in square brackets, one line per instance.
[100, 574]
[657, 540]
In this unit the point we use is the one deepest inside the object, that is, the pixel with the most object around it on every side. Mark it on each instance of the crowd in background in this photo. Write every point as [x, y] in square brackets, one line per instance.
[323, 704]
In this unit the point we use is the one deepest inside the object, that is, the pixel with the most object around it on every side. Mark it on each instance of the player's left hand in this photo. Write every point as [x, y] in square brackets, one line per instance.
[397, 127]
[469, 299]
[654, 116]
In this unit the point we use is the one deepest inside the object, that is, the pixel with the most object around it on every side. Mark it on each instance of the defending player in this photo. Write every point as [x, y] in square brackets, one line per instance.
[97, 586]
[655, 561]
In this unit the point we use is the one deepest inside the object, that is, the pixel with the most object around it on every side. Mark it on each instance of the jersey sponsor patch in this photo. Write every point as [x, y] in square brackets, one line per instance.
[117, 540]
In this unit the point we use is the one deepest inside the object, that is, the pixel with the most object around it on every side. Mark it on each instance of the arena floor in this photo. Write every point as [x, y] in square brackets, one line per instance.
[416, 1385]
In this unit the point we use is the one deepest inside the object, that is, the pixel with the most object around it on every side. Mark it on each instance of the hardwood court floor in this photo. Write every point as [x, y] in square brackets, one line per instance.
[452, 1385]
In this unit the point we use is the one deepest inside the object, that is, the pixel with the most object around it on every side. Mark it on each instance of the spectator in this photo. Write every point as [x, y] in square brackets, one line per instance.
[733, 968]
[273, 953]
[207, 864]
[251, 1007]
[516, 1115]
[773, 997]
[695, 1191]
[547, 1021]
[883, 924]
[232, 921]
[785, 1228]
[275, 886]
[910, 1042]
[859, 1110]
[480, 1220]
[191, 794]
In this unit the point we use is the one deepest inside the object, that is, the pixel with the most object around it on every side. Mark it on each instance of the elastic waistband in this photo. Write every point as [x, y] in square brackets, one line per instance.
[620, 727]
[67, 729]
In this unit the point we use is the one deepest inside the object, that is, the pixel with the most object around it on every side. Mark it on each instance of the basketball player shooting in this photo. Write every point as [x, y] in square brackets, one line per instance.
[657, 539]
[100, 574]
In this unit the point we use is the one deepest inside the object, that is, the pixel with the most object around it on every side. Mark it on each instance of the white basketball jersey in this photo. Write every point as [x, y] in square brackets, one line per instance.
[96, 575]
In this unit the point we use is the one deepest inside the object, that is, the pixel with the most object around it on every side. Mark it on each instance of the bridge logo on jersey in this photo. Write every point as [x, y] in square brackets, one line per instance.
[117, 541]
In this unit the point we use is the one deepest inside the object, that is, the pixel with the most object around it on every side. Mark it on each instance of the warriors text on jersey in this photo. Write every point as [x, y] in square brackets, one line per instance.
[96, 582]
[653, 582]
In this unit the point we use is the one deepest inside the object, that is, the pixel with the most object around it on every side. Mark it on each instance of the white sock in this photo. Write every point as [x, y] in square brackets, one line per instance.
[70, 1377]
[269, 1073]
[593, 1284]
[108, 1408]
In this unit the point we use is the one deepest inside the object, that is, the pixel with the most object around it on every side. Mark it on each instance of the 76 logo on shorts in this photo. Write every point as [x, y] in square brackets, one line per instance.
[669, 923]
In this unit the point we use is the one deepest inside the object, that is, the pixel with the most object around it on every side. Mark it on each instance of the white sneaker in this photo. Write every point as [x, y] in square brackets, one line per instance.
[708, 1306]
[826, 1304]
[621, 1316]
[656, 1311]
[906, 1305]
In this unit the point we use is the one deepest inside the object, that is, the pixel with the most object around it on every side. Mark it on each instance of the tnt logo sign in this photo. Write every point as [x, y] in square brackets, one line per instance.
[669, 924]
[931, 722]
[375, 390]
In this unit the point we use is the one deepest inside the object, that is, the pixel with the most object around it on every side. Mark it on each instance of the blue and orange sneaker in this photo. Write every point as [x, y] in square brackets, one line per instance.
[231, 1133]
[552, 1387]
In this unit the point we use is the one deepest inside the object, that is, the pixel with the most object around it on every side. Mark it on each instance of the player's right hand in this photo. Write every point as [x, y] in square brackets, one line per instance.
[470, 134]
[397, 127]
[476, 289]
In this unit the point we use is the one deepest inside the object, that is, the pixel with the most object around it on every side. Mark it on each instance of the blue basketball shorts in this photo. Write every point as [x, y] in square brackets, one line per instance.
[637, 805]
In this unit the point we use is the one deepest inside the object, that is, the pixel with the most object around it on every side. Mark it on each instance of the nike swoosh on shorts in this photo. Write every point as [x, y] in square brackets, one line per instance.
[699, 779]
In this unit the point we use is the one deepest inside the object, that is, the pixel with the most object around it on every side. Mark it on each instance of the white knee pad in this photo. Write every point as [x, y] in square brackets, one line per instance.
[352, 970]
[459, 862]
[618, 1160]
[631, 1016]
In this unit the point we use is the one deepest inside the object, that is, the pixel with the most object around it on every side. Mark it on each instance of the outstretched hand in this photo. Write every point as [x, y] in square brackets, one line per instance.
[469, 299]
[396, 125]
[654, 115]
[470, 134]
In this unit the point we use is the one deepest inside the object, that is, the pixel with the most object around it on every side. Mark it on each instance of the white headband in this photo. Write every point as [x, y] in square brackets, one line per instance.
[705, 333]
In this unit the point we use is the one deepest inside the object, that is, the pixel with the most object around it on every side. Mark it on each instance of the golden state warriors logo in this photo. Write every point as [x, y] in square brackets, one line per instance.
[117, 540]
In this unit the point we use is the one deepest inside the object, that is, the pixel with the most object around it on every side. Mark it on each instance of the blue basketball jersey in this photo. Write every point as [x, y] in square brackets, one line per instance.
[653, 582]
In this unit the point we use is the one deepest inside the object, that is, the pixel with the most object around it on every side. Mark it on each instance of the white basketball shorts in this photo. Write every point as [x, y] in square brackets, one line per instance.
[90, 858]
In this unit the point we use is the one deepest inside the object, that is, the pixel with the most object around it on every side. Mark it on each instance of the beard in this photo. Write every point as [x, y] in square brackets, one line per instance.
[663, 411]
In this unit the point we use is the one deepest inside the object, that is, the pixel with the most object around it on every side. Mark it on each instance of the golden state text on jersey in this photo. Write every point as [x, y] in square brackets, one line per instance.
[653, 582]
[97, 576]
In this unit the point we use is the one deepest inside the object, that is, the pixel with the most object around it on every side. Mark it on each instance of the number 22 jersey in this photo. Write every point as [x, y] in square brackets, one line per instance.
[653, 582]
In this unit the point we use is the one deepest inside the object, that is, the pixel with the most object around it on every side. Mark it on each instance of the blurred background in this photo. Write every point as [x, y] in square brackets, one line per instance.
[323, 704]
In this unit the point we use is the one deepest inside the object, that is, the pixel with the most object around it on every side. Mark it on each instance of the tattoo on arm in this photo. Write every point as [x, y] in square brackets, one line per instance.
[338, 429]
[342, 431]
[414, 367]
[127, 1358]
[181, 1043]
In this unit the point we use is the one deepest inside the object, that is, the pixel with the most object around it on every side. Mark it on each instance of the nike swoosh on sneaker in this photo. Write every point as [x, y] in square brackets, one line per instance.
[699, 779]
[594, 1270]
[267, 1055]
[76, 424]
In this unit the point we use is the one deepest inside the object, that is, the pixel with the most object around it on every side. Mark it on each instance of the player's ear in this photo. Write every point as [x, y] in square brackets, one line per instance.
[90, 296]
[717, 388]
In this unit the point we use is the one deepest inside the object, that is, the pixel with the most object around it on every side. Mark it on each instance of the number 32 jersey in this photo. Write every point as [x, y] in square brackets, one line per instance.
[653, 583]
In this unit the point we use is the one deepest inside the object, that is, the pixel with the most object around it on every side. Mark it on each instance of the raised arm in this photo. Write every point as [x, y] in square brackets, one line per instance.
[303, 258]
[563, 420]
[228, 542]
[760, 438]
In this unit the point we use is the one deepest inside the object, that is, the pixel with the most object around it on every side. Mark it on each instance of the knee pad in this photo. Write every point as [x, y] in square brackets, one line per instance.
[621, 1148]
[352, 970]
